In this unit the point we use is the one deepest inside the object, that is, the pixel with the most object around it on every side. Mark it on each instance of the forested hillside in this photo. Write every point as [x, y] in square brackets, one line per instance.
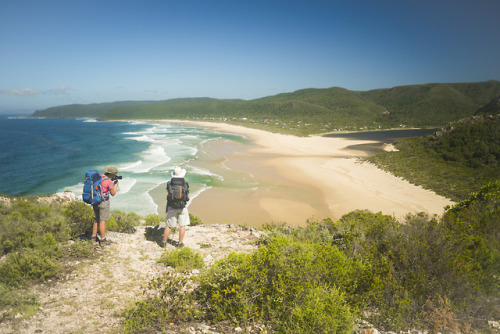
[95, 110]
[311, 111]
[433, 104]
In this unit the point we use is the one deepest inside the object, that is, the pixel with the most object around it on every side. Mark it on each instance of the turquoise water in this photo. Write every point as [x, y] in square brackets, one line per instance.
[41, 156]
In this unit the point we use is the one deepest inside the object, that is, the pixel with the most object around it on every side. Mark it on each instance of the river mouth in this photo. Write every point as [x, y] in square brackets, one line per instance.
[381, 138]
[383, 135]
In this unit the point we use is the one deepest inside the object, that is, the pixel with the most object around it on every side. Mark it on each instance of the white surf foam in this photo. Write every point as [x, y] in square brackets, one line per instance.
[168, 146]
[131, 166]
[203, 171]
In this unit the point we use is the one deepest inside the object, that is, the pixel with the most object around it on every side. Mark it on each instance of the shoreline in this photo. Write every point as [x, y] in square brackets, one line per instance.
[290, 179]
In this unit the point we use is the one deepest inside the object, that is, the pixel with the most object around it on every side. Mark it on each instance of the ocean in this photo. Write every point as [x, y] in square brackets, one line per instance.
[46, 155]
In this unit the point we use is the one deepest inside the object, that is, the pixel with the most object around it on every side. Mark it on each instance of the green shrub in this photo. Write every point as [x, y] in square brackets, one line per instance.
[23, 222]
[279, 276]
[30, 233]
[223, 290]
[323, 310]
[472, 228]
[168, 300]
[81, 249]
[30, 264]
[31, 210]
[123, 222]
[112, 224]
[152, 220]
[182, 259]
[17, 232]
[80, 218]
[358, 230]
[194, 220]
[13, 301]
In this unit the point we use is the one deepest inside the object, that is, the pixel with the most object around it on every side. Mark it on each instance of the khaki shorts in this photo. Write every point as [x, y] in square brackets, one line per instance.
[175, 216]
[102, 211]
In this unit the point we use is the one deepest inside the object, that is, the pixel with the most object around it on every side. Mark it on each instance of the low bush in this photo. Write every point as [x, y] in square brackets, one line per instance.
[152, 220]
[81, 249]
[30, 235]
[30, 264]
[167, 300]
[182, 259]
[194, 220]
[13, 301]
[472, 228]
[24, 224]
[80, 218]
[123, 222]
[281, 276]
[323, 310]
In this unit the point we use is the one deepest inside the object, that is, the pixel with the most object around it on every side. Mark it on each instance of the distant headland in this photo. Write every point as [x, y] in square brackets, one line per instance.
[309, 111]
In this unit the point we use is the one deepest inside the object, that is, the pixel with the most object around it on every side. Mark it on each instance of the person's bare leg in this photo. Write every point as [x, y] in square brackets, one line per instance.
[182, 232]
[94, 231]
[166, 234]
[102, 229]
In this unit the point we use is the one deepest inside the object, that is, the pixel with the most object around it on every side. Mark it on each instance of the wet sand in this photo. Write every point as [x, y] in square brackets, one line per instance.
[277, 178]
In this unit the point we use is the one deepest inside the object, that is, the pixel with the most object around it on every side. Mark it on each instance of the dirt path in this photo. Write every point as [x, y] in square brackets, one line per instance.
[92, 297]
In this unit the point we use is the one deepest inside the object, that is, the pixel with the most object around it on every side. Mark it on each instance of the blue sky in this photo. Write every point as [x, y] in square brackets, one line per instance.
[70, 51]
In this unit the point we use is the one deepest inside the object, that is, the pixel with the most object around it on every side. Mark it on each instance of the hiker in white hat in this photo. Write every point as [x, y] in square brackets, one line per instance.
[177, 212]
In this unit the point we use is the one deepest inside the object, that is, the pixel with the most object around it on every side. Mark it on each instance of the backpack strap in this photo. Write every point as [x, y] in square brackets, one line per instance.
[105, 196]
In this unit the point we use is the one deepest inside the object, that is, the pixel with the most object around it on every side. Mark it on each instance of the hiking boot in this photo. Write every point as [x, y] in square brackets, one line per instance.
[94, 238]
[104, 242]
[180, 244]
[163, 244]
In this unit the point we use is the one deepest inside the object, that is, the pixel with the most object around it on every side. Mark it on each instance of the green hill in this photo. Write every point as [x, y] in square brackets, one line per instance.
[432, 104]
[311, 111]
[95, 110]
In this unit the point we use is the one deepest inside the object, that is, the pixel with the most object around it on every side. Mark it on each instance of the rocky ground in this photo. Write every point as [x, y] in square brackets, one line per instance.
[92, 296]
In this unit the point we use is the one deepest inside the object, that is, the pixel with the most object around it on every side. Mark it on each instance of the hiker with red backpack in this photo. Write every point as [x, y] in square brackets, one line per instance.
[177, 212]
[96, 191]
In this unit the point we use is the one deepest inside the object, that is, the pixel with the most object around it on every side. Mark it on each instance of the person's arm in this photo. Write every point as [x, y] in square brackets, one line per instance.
[112, 190]
[110, 186]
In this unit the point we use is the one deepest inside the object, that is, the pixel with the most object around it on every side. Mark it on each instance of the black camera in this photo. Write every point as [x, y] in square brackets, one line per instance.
[117, 177]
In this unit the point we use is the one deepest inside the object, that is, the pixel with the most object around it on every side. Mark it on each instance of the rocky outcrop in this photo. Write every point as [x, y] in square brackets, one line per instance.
[61, 198]
[465, 121]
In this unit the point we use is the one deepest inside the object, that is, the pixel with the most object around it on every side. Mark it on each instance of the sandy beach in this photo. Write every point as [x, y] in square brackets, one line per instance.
[292, 179]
